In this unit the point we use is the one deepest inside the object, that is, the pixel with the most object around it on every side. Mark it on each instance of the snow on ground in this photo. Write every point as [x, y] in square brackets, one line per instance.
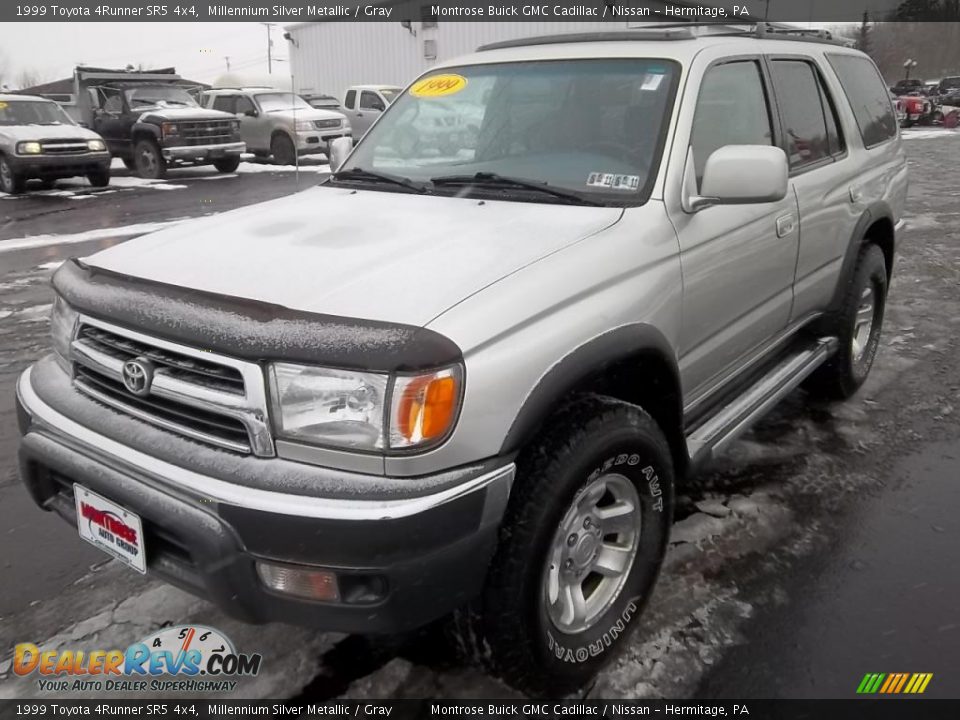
[929, 133]
[34, 241]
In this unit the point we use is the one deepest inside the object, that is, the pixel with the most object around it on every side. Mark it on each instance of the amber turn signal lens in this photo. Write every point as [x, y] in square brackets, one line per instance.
[425, 407]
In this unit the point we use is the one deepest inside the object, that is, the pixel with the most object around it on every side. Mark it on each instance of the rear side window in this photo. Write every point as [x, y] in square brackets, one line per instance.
[808, 122]
[351, 99]
[868, 97]
[731, 109]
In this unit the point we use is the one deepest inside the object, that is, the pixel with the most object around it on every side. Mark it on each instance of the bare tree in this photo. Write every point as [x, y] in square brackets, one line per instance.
[935, 46]
[4, 67]
[28, 77]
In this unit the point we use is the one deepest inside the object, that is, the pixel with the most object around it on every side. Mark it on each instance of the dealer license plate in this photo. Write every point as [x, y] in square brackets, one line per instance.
[113, 529]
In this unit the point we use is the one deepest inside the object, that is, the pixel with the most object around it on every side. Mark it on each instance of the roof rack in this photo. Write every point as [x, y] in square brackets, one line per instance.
[678, 31]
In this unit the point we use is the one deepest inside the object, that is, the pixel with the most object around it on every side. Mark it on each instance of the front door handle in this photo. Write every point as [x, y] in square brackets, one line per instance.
[785, 225]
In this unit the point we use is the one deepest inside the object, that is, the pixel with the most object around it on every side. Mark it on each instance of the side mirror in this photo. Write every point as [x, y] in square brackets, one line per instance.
[378, 106]
[251, 113]
[740, 175]
[84, 125]
[340, 148]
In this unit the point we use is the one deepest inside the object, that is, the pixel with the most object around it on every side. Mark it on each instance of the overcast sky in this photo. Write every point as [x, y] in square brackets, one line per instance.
[197, 50]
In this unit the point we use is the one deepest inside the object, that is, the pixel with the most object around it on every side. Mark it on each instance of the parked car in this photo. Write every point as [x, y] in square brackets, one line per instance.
[919, 110]
[949, 84]
[950, 98]
[473, 384]
[363, 104]
[151, 121]
[279, 123]
[906, 87]
[38, 140]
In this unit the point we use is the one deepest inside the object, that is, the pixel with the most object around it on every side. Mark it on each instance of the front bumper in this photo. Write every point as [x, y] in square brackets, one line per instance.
[59, 166]
[318, 141]
[401, 563]
[203, 153]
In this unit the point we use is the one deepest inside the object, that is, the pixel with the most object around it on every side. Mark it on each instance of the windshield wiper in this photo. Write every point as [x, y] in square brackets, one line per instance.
[370, 176]
[502, 181]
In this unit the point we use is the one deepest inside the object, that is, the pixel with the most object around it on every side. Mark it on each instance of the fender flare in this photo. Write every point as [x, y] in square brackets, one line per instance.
[878, 210]
[638, 342]
[144, 128]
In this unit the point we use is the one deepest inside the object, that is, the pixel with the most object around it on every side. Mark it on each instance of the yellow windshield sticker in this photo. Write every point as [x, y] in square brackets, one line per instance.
[438, 86]
[2, 105]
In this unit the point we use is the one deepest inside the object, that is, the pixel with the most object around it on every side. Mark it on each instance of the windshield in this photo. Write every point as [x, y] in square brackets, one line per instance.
[390, 94]
[32, 112]
[593, 127]
[158, 95]
[272, 102]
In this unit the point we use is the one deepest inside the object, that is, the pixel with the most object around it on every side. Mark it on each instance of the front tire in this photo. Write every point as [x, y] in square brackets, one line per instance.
[11, 182]
[150, 163]
[282, 149]
[581, 545]
[857, 326]
[100, 178]
[227, 165]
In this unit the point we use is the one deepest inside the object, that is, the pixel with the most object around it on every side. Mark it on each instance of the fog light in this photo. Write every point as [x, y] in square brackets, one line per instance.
[300, 581]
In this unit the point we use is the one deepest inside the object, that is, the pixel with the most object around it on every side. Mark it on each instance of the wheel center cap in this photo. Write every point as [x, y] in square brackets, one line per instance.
[583, 552]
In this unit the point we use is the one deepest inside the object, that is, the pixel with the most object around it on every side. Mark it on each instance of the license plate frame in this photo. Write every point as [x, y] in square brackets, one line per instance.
[110, 527]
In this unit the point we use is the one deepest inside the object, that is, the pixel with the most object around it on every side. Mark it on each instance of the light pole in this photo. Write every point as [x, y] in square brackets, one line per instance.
[908, 65]
[269, 27]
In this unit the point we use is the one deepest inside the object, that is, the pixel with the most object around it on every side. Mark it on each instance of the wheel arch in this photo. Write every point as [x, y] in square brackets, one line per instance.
[633, 363]
[875, 226]
[144, 131]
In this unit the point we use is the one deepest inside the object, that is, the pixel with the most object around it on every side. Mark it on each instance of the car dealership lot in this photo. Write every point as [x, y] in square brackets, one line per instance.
[750, 535]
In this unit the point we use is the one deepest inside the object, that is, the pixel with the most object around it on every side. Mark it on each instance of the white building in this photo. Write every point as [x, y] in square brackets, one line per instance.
[328, 57]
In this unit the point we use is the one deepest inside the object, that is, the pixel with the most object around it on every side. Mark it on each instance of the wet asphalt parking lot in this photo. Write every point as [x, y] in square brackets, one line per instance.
[823, 546]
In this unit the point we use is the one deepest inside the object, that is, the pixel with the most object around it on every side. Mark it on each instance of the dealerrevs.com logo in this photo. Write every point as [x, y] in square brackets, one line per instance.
[187, 658]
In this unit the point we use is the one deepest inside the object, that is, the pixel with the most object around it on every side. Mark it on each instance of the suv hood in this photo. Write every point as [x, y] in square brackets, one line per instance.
[185, 113]
[21, 133]
[312, 114]
[393, 257]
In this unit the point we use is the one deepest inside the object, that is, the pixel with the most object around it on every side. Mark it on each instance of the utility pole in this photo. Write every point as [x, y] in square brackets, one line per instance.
[269, 27]
[227, 58]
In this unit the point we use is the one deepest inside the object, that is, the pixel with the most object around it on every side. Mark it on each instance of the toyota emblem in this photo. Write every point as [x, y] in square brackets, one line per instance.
[137, 376]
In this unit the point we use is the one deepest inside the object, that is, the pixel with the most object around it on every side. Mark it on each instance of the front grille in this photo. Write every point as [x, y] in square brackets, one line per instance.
[201, 399]
[191, 421]
[63, 147]
[326, 124]
[206, 132]
[182, 367]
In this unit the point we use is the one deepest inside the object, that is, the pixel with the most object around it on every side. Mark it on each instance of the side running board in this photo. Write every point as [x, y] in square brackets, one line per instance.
[712, 436]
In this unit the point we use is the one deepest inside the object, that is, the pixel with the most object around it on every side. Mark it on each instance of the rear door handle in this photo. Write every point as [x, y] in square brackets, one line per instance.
[785, 225]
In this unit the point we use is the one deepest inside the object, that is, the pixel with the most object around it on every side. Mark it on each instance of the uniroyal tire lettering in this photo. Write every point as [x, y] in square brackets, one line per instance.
[606, 641]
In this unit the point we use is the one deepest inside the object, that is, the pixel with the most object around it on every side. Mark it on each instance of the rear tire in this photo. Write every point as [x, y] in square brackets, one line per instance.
[283, 151]
[11, 182]
[101, 178]
[149, 162]
[227, 165]
[857, 326]
[580, 548]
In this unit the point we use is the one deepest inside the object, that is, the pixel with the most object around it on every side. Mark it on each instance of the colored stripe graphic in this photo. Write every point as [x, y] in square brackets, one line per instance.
[894, 683]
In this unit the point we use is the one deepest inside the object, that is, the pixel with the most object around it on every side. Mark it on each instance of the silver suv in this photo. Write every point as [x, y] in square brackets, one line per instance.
[467, 382]
[278, 123]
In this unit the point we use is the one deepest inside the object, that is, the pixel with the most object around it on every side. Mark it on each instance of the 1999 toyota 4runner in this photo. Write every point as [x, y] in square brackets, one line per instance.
[469, 382]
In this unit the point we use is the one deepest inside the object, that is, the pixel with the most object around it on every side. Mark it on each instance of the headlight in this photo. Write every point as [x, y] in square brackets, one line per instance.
[28, 148]
[169, 128]
[96, 145]
[235, 124]
[329, 407]
[304, 125]
[348, 409]
[63, 326]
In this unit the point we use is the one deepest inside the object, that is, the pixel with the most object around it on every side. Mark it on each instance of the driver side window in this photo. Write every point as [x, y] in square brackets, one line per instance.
[244, 105]
[112, 103]
[370, 101]
[732, 109]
